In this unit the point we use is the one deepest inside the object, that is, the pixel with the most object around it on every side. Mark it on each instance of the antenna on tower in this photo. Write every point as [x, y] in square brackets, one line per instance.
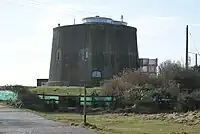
[74, 21]
[122, 17]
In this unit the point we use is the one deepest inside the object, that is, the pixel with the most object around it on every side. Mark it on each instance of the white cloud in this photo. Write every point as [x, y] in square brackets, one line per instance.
[154, 25]
[52, 15]
[65, 13]
[29, 3]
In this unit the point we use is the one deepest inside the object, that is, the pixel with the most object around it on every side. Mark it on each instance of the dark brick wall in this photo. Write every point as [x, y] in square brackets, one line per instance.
[107, 51]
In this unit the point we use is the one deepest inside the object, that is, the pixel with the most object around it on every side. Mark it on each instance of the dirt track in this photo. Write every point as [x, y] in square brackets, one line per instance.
[15, 121]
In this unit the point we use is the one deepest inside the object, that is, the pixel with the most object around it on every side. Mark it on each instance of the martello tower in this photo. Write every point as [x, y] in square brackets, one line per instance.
[98, 48]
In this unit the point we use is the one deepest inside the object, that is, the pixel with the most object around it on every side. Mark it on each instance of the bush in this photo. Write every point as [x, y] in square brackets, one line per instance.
[130, 79]
[158, 100]
[28, 99]
[168, 70]
[188, 79]
[158, 91]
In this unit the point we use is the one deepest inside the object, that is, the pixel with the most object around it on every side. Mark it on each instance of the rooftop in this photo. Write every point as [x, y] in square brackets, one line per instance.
[98, 19]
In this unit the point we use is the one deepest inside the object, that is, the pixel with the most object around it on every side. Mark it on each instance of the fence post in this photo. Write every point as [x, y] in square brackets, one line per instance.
[84, 110]
[112, 103]
[43, 98]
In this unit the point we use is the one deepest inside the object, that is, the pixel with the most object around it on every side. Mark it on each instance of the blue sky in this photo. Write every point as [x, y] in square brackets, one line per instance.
[26, 30]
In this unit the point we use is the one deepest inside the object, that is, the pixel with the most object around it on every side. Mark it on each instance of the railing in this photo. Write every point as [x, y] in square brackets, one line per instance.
[66, 102]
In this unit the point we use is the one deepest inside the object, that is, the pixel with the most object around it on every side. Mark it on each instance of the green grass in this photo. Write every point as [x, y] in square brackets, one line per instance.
[117, 124]
[64, 90]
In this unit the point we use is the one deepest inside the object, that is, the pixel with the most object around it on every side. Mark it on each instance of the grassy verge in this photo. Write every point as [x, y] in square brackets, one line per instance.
[57, 90]
[118, 124]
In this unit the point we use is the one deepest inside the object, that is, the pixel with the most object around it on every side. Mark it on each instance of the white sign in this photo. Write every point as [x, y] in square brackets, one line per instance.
[96, 74]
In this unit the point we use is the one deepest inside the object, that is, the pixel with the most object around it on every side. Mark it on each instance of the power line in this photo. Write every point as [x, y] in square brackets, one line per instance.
[196, 53]
[194, 44]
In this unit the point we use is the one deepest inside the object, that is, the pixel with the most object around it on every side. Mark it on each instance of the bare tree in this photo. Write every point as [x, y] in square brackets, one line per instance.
[168, 70]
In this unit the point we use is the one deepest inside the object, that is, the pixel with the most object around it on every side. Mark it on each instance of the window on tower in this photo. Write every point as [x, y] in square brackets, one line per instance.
[58, 55]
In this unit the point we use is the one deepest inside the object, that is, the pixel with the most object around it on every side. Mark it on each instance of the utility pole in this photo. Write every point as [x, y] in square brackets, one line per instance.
[186, 62]
[196, 60]
[186, 58]
[84, 109]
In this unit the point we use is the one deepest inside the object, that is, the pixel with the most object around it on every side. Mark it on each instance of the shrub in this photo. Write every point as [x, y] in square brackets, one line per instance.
[27, 98]
[158, 100]
[188, 79]
[168, 70]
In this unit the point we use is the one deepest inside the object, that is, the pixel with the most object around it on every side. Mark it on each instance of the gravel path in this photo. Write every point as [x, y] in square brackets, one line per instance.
[16, 121]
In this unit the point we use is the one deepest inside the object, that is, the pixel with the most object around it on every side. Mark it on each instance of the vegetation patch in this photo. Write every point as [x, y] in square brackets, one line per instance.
[188, 118]
[120, 124]
[64, 90]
